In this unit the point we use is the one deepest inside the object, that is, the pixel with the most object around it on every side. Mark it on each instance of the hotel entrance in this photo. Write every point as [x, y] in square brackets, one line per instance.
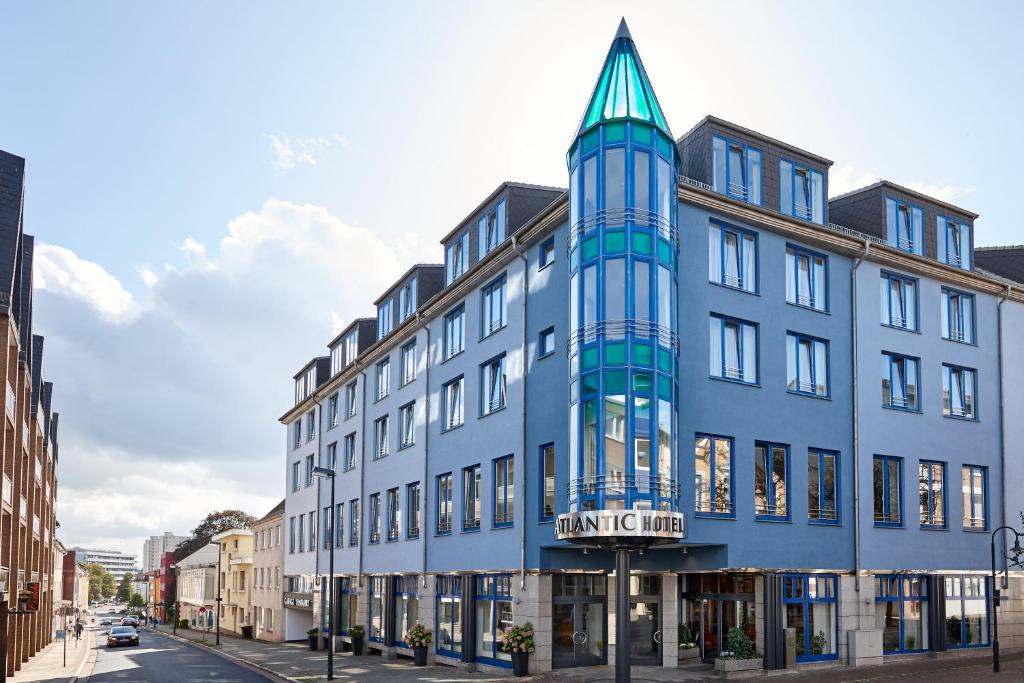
[579, 623]
[645, 620]
[715, 603]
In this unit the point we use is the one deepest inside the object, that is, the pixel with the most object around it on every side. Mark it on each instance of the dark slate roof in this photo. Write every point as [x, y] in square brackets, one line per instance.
[12, 195]
[1005, 261]
[37, 372]
[47, 401]
[23, 298]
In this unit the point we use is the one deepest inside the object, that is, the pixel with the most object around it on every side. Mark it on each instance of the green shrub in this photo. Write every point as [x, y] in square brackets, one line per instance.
[738, 646]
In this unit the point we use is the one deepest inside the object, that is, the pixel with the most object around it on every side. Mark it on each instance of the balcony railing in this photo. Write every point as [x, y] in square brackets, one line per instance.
[36, 528]
[24, 509]
[769, 510]
[618, 484]
[823, 514]
[899, 402]
[888, 517]
[8, 492]
[719, 506]
[974, 522]
[617, 329]
[10, 401]
[620, 217]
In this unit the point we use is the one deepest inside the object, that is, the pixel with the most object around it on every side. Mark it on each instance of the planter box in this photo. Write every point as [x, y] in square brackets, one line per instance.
[689, 653]
[738, 668]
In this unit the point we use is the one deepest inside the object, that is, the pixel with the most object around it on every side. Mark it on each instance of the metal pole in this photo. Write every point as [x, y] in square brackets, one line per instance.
[330, 587]
[996, 598]
[622, 673]
[4, 618]
[217, 617]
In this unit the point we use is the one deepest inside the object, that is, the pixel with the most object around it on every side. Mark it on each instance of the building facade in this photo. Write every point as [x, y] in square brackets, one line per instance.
[267, 567]
[29, 453]
[114, 561]
[196, 586]
[819, 385]
[235, 567]
[154, 547]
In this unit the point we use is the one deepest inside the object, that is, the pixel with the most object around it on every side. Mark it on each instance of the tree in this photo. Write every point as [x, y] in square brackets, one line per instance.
[124, 589]
[108, 586]
[136, 601]
[96, 573]
[213, 524]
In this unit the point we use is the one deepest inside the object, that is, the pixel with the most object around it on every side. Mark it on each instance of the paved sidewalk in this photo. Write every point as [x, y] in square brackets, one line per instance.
[48, 663]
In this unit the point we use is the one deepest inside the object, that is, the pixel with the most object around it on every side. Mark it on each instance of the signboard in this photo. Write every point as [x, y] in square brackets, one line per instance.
[30, 596]
[299, 600]
[202, 610]
[636, 527]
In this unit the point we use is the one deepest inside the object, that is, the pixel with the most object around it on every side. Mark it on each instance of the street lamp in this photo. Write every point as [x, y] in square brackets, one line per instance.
[1014, 557]
[328, 473]
[217, 599]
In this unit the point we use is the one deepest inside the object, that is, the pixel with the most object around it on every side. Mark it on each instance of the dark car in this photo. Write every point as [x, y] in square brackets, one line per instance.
[130, 621]
[122, 635]
[106, 622]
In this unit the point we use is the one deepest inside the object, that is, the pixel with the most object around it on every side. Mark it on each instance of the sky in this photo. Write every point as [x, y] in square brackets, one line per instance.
[216, 189]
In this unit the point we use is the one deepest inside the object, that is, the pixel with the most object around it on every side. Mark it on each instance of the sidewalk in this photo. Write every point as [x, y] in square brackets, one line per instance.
[48, 664]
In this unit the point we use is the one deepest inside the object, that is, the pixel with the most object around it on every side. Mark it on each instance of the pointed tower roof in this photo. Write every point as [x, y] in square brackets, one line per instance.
[623, 89]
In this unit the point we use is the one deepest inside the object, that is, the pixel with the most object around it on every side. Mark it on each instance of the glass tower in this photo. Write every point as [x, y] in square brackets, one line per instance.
[623, 343]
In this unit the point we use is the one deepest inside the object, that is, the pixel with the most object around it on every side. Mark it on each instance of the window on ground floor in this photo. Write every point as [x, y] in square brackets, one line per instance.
[375, 632]
[493, 598]
[449, 616]
[406, 607]
[901, 606]
[346, 606]
[966, 611]
[810, 604]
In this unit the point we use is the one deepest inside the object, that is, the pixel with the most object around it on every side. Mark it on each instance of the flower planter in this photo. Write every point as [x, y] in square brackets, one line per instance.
[357, 645]
[520, 663]
[313, 641]
[419, 655]
[689, 653]
[738, 668]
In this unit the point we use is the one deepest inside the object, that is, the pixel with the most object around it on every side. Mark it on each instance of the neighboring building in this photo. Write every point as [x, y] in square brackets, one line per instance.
[81, 587]
[155, 546]
[62, 603]
[235, 573]
[196, 583]
[115, 562]
[267, 564]
[29, 454]
[840, 463]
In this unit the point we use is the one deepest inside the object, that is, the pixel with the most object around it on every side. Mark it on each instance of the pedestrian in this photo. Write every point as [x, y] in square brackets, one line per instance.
[78, 629]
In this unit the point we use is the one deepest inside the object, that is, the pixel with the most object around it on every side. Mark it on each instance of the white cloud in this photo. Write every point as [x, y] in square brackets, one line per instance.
[942, 192]
[843, 179]
[169, 403]
[289, 153]
[192, 248]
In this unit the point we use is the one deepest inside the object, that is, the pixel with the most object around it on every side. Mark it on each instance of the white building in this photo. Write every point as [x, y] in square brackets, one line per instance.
[155, 547]
[197, 587]
[115, 562]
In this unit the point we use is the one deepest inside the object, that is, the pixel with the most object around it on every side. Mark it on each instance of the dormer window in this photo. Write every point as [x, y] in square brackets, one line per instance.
[492, 229]
[407, 300]
[351, 348]
[736, 170]
[455, 259]
[337, 359]
[384, 319]
[903, 226]
[801, 192]
[954, 243]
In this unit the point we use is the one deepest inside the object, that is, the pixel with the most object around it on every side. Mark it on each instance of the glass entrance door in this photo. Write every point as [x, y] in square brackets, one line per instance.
[578, 620]
[645, 633]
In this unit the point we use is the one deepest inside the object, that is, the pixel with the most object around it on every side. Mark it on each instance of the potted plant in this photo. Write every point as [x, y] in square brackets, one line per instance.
[518, 642]
[314, 638]
[355, 634]
[687, 645]
[739, 657]
[818, 643]
[418, 638]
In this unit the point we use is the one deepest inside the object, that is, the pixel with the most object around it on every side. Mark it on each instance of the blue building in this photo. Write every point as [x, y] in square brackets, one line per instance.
[815, 384]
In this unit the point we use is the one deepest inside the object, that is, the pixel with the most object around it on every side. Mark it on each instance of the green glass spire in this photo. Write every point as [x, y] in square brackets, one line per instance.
[623, 90]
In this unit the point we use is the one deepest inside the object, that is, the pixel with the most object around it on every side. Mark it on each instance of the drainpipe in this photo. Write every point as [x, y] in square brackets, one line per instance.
[522, 418]
[856, 419]
[426, 451]
[1002, 416]
[362, 470]
[316, 515]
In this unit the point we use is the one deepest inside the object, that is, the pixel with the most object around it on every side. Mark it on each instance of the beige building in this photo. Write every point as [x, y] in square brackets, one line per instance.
[197, 587]
[235, 578]
[267, 561]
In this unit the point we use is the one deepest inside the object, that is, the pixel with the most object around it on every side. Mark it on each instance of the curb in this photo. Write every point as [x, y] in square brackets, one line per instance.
[91, 655]
[238, 660]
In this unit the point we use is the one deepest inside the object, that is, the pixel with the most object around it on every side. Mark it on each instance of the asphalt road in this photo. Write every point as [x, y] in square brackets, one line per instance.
[159, 659]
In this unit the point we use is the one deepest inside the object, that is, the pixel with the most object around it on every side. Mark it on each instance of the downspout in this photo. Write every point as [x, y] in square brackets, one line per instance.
[856, 419]
[362, 470]
[316, 515]
[426, 451]
[522, 418]
[1002, 418]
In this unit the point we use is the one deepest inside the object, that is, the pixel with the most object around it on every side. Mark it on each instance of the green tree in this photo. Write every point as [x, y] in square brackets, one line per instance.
[96, 573]
[212, 524]
[136, 601]
[124, 589]
[108, 586]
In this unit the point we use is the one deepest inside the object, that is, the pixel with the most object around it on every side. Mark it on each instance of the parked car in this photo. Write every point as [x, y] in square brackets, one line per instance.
[122, 635]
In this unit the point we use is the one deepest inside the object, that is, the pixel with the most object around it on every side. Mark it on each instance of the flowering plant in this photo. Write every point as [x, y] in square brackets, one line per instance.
[517, 639]
[356, 631]
[418, 636]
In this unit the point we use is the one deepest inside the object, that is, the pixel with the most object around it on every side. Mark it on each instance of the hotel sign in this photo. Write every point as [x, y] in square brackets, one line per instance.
[622, 526]
[299, 600]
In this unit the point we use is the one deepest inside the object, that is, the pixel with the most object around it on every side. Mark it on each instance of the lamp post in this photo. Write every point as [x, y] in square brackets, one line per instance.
[216, 616]
[177, 602]
[329, 472]
[1015, 559]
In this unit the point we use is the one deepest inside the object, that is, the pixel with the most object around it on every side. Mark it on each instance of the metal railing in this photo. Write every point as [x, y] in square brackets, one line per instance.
[695, 183]
[934, 519]
[905, 244]
[494, 404]
[8, 491]
[974, 522]
[888, 518]
[619, 329]
[719, 506]
[733, 373]
[769, 510]
[618, 484]
[899, 402]
[622, 217]
[823, 514]
[739, 191]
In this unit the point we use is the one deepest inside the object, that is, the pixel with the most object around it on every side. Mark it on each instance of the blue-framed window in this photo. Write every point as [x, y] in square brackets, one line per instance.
[959, 392]
[547, 482]
[471, 498]
[900, 379]
[296, 476]
[380, 438]
[904, 226]
[339, 525]
[326, 520]
[351, 347]
[291, 535]
[967, 623]
[297, 433]
[492, 307]
[733, 349]
[383, 376]
[375, 610]
[309, 470]
[407, 425]
[331, 458]
[346, 605]
[448, 615]
[504, 491]
[931, 477]
[771, 481]
[444, 504]
[899, 301]
[901, 611]
[732, 257]
[311, 546]
[385, 319]
[408, 355]
[546, 342]
[406, 607]
[491, 229]
[958, 316]
[801, 192]
[807, 370]
[974, 484]
[736, 169]
[407, 300]
[310, 425]
[452, 403]
[455, 331]
[412, 510]
[812, 610]
[332, 410]
[822, 486]
[888, 487]
[353, 522]
[546, 253]
[492, 385]
[394, 515]
[350, 451]
[456, 258]
[374, 518]
[299, 533]
[713, 465]
[953, 242]
[806, 278]
[350, 400]
[493, 601]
